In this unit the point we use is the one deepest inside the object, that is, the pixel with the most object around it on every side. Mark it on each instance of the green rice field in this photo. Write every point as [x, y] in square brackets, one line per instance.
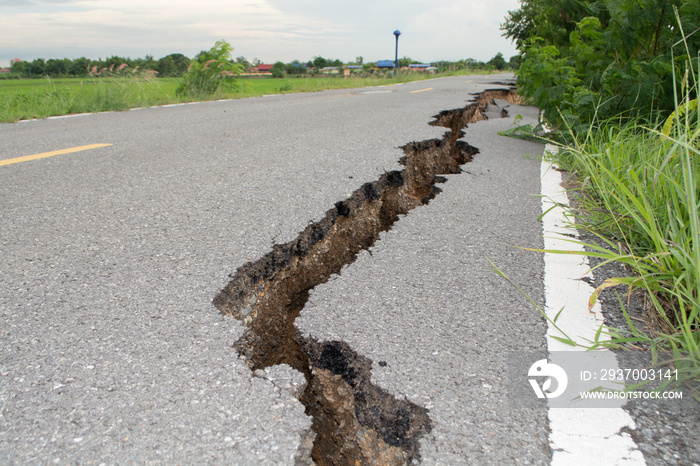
[23, 99]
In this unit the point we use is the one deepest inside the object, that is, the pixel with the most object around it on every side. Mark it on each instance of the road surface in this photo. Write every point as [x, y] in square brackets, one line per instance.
[113, 351]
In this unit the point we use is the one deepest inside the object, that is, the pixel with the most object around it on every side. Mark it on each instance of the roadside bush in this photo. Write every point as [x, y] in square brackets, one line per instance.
[639, 193]
[620, 81]
[211, 72]
[603, 59]
[278, 70]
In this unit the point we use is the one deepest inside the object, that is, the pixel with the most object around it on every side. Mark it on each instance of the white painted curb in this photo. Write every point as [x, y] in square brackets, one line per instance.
[579, 436]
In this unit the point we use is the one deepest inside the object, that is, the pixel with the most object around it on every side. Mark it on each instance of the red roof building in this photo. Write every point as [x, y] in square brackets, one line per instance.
[260, 69]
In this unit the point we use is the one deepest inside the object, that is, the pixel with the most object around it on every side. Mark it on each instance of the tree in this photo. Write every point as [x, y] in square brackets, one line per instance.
[295, 67]
[37, 67]
[583, 60]
[79, 67]
[146, 63]
[20, 68]
[515, 62]
[242, 60]
[552, 20]
[278, 70]
[174, 64]
[114, 62]
[498, 62]
[57, 67]
[320, 62]
[405, 61]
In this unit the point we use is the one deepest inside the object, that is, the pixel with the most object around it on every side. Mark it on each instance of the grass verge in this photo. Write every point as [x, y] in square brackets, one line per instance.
[639, 192]
[24, 99]
[40, 98]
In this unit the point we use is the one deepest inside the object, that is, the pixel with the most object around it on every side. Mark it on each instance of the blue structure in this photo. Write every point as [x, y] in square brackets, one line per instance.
[385, 64]
[397, 33]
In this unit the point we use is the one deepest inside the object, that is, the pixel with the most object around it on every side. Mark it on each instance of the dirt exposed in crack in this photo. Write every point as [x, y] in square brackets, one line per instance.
[475, 111]
[355, 421]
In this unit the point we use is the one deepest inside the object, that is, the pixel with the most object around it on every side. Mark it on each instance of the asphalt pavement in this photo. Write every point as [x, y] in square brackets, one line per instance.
[425, 301]
[112, 351]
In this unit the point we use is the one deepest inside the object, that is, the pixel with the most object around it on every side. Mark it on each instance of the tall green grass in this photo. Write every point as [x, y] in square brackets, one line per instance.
[27, 99]
[639, 193]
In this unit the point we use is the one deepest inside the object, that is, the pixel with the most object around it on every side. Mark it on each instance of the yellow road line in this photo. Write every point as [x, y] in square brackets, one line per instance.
[422, 90]
[43, 155]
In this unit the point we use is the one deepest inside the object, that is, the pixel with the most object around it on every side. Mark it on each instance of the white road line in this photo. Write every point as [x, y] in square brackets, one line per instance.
[579, 436]
[72, 115]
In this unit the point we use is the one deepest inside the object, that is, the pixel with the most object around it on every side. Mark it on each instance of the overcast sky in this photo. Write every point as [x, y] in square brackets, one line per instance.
[270, 30]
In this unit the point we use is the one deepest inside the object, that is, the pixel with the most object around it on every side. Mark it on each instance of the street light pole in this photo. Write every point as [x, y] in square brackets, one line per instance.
[397, 33]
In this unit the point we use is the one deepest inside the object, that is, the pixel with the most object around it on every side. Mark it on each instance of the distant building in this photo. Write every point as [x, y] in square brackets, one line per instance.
[5, 71]
[422, 67]
[260, 69]
[352, 69]
[385, 64]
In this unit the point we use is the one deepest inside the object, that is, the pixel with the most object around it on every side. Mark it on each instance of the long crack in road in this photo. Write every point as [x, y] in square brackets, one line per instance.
[354, 421]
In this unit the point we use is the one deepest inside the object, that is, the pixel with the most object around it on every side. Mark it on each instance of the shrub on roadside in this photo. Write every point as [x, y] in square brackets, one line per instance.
[640, 194]
[604, 59]
[211, 72]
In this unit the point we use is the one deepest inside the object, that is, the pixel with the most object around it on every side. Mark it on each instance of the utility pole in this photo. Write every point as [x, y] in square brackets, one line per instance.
[397, 33]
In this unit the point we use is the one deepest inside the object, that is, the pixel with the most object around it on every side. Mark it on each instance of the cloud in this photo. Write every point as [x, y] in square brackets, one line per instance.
[466, 29]
[360, 13]
[32, 3]
[269, 29]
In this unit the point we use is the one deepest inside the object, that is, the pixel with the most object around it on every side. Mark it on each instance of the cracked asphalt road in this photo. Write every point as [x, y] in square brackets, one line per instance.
[112, 350]
[425, 301]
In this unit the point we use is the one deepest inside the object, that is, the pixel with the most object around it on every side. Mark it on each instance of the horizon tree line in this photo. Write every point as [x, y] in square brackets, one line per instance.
[176, 65]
